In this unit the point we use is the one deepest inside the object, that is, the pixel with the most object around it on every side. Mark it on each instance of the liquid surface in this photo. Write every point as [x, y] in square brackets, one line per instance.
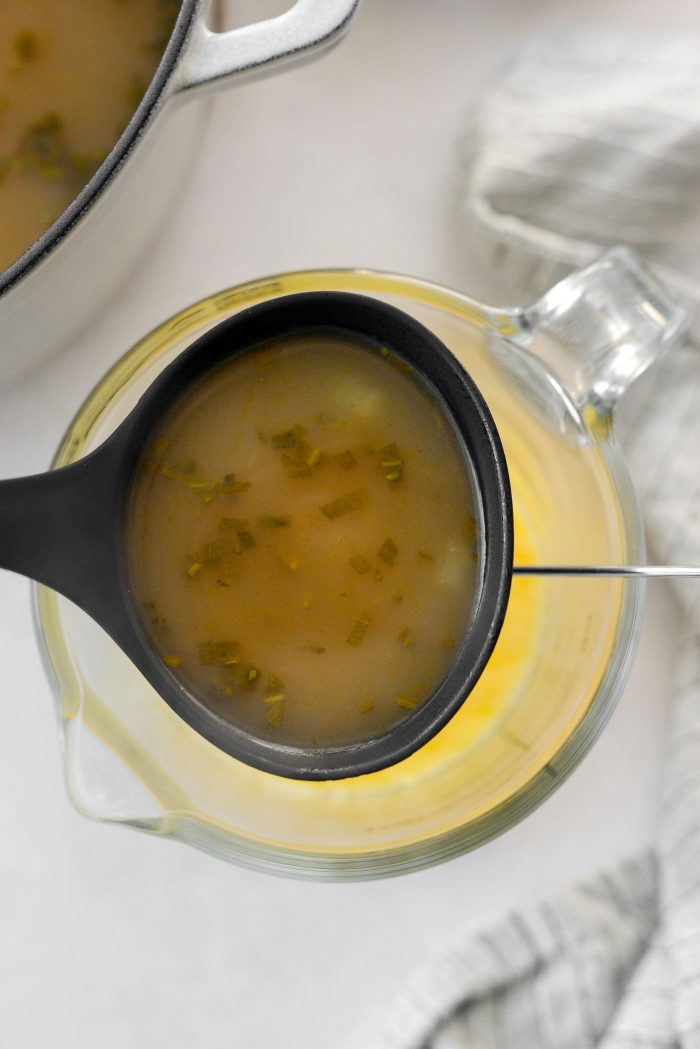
[302, 541]
[71, 75]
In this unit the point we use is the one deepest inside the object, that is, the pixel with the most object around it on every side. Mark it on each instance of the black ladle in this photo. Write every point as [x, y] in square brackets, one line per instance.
[66, 528]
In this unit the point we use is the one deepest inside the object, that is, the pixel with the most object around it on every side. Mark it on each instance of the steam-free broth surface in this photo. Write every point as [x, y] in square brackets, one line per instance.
[71, 75]
[302, 540]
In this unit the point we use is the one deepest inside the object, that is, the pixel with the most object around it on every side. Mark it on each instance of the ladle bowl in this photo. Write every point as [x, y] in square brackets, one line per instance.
[66, 528]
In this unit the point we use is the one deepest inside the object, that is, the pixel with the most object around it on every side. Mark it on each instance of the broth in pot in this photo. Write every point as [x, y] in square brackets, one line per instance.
[71, 75]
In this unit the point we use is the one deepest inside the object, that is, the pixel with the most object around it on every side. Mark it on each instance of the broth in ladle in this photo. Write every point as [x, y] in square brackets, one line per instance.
[302, 540]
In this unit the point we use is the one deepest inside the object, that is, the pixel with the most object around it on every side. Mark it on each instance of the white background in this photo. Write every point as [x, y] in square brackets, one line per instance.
[112, 939]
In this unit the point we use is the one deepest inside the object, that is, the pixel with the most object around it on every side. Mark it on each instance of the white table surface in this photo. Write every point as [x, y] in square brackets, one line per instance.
[110, 938]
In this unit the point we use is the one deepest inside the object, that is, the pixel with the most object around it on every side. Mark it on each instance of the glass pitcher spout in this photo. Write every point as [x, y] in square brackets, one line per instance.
[578, 348]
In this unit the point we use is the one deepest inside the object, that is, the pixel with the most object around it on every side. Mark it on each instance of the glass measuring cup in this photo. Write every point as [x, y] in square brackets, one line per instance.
[551, 383]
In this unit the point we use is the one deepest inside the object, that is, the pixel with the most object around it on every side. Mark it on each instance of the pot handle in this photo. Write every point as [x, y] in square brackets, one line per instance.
[211, 59]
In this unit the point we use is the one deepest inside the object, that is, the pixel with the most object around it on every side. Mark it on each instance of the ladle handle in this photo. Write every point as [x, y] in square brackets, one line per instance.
[58, 527]
[619, 571]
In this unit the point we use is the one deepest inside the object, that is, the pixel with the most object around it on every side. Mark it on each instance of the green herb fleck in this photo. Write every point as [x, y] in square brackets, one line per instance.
[247, 676]
[274, 713]
[406, 638]
[360, 564]
[227, 653]
[244, 538]
[391, 463]
[366, 706]
[387, 552]
[25, 46]
[344, 504]
[405, 702]
[274, 520]
[359, 629]
[172, 661]
[43, 152]
[194, 569]
[288, 438]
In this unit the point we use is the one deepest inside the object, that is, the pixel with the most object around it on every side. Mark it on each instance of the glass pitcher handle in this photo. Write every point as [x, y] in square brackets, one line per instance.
[601, 327]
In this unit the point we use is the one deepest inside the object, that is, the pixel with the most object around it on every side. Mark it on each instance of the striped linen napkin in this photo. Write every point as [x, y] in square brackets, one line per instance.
[583, 143]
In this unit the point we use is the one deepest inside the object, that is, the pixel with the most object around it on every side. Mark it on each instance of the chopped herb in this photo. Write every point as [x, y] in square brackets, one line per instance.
[406, 638]
[274, 698]
[227, 653]
[405, 702]
[387, 552]
[318, 649]
[194, 569]
[288, 438]
[366, 707]
[360, 564]
[230, 486]
[43, 151]
[168, 471]
[247, 676]
[203, 489]
[344, 504]
[274, 685]
[222, 583]
[227, 690]
[301, 459]
[244, 538]
[391, 462]
[359, 629]
[346, 460]
[172, 661]
[218, 549]
[25, 46]
[273, 714]
[274, 520]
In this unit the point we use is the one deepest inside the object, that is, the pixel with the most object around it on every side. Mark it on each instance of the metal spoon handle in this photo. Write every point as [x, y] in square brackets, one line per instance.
[633, 571]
